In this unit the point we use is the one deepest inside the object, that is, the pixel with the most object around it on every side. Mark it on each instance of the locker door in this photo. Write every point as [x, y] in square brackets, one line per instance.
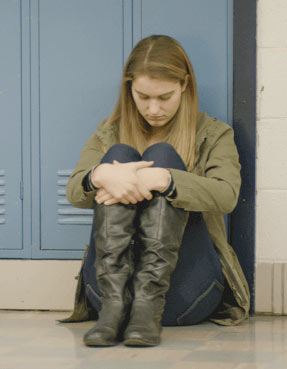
[10, 131]
[78, 48]
[204, 28]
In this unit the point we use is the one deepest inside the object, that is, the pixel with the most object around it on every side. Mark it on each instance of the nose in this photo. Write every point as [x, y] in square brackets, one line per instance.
[154, 107]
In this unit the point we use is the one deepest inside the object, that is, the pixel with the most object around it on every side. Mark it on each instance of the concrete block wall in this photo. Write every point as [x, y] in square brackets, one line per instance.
[271, 202]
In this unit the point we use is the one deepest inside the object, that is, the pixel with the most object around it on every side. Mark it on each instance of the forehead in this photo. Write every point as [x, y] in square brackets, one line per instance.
[154, 86]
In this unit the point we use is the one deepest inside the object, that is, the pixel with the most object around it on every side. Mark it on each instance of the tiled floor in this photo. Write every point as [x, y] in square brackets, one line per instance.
[35, 340]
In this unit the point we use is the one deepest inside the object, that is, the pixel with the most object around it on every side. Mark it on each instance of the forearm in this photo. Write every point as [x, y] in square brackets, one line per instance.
[215, 183]
[76, 191]
[197, 193]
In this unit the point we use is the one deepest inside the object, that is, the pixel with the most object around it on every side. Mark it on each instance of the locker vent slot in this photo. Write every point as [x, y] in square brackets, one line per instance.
[2, 197]
[67, 214]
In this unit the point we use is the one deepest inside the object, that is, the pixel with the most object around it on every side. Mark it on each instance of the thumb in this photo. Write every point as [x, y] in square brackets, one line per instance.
[115, 162]
[143, 164]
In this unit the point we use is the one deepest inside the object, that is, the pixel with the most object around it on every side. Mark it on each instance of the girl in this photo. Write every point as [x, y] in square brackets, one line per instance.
[160, 175]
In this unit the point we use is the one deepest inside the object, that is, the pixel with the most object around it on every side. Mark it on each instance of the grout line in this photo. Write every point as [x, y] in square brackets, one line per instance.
[261, 189]
[268, 118]
[272, 288]
[271, 48]
[282, 288]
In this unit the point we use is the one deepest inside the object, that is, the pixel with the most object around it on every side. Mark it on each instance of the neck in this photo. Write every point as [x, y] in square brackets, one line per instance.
[156, 132]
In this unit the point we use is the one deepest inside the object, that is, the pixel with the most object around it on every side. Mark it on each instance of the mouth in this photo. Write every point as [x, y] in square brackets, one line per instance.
[156, 118]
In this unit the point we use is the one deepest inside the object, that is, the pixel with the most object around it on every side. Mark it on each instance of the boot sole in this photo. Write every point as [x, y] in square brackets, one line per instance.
[139, 342]
[100, 343]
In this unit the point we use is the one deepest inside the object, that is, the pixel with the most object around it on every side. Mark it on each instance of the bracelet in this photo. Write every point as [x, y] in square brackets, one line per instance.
[87, 181]
[169, 191]
[91, 185]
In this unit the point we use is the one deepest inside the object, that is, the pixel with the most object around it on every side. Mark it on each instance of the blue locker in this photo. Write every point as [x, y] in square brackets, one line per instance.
[11, 130]
[79, 49]
[61, 76]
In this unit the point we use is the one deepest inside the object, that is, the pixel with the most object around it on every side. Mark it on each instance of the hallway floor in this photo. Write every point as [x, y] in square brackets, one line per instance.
[35, 340]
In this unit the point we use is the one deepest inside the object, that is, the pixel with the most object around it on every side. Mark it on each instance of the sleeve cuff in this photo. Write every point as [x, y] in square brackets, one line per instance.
[87, 181]
[170, 192]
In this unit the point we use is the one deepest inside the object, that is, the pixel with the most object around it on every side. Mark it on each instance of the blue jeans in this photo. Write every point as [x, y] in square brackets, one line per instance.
[197, 283]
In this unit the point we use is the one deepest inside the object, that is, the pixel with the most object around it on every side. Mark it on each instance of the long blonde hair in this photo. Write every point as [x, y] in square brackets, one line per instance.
[160, 57]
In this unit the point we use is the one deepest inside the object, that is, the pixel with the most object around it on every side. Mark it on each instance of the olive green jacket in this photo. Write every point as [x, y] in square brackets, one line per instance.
[212, 188]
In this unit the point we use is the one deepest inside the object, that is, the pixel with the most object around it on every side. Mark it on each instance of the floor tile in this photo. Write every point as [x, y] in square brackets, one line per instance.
[206, 365]
[142, 354]
[124, 364]
[33, 340]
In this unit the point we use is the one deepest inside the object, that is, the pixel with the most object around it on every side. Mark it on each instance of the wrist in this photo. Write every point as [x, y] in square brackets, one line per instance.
[96, 175]
[166, 180]
[87, 181]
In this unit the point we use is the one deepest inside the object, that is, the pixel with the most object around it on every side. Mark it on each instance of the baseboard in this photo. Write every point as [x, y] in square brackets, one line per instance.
[51, 284]
[271, 288]
[38, 284]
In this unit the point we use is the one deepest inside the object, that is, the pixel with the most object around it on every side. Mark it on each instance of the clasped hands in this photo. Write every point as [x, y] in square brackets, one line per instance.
[128, 183]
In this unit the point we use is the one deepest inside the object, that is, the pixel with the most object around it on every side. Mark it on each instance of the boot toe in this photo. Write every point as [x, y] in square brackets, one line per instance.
[106, 337]
[141, 338]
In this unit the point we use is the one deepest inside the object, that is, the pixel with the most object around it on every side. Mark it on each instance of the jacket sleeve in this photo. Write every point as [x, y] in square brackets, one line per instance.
[91, 155]
[216, 190]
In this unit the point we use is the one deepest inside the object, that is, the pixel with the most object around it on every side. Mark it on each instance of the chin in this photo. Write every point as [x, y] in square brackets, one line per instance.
[157, 124]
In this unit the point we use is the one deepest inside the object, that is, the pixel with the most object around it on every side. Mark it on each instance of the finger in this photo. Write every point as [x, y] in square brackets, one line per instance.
[144, 191]
[115, 162]
[134, 195]
[103, 198]
[132, 198]
[142, 164]
[98, 201]
[101, 192]
[115, 201]
[137, 194]
[111, 202]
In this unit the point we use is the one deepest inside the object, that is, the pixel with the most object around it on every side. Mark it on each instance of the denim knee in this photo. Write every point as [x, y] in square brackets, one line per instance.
[122, 153]
[164, 155]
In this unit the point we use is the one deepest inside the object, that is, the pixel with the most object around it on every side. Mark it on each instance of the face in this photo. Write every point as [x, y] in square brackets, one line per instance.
[157, 100]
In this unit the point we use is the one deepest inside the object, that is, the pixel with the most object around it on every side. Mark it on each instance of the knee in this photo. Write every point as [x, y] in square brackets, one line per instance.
[154, 150]
[160, 146]
[120, 148]
[164, 155]
[122, 153]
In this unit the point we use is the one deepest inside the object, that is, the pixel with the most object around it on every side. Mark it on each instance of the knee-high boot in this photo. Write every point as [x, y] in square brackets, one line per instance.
[160, 231]
[113, 231]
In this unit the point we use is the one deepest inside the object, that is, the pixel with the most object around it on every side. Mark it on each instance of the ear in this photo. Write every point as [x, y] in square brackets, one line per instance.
[185, 83]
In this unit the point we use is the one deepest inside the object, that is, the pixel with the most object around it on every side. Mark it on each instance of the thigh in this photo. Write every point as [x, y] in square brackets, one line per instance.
[196, 285]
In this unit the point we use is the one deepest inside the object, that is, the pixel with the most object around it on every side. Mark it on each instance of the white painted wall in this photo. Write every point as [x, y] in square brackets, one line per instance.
[271, 200]
[271, 218]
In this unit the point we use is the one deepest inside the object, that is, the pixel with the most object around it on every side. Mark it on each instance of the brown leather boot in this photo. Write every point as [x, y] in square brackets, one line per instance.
[113, 231]
[161, 227]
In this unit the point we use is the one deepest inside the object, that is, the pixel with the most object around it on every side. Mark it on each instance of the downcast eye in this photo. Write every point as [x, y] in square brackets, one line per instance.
[164, 98]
